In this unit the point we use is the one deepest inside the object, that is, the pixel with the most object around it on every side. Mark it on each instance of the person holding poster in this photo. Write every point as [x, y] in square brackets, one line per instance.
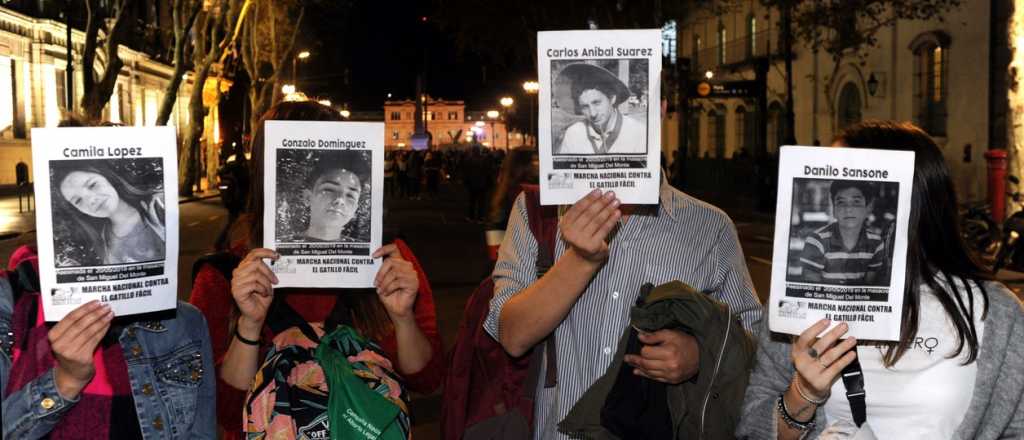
[90, 374]
[597, 95]
[398, 314]
[946, 377]
[584, 299]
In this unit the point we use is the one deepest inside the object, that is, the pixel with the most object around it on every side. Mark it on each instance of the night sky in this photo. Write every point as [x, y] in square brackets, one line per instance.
[378, 47]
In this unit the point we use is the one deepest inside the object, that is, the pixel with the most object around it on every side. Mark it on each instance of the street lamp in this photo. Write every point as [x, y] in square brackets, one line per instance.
[493, 115]
[300, 56]
[325, 102]
[709, 74]
[506, 102]
[531, 88]
[288, 89]
[345, 113]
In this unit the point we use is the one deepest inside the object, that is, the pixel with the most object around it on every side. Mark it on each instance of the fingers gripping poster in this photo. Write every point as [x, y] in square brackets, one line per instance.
[600, 122]
[841, 240]
[107, 218]
[323, 201]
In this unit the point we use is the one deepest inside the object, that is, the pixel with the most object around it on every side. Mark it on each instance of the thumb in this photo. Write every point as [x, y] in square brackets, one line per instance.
[651, 338]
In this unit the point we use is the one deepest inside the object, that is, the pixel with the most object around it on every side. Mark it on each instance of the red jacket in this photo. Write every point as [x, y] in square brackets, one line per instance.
[211, 294]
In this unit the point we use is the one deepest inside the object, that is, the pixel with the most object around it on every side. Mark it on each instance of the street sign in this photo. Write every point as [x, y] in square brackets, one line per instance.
[728, 89]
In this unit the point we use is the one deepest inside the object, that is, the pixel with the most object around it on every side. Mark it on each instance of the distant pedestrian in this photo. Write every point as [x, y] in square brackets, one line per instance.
[432, 172]
[402, 172]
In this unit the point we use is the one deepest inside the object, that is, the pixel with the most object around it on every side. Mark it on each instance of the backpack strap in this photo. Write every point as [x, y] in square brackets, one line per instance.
[544, 226]
[853, 379]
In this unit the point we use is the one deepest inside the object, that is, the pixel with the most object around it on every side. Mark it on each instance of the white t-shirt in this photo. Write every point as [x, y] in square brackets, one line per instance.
[925, 395]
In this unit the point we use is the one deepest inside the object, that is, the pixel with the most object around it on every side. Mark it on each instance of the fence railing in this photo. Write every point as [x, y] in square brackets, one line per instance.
[736, 51]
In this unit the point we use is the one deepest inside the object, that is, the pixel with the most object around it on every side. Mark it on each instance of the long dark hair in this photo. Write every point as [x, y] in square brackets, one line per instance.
[516, 169]
[135, 194]
[362, 306]
[936, 252]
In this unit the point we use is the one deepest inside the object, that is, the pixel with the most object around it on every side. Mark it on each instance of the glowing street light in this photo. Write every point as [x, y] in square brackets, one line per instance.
[506, 102]
[532, 88]
[345, 113]
[325, 102]
[493, 114]
[709, 74]
[288, 89]
[303, 55]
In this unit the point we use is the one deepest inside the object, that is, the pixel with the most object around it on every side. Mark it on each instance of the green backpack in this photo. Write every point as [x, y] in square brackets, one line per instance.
[338, 386]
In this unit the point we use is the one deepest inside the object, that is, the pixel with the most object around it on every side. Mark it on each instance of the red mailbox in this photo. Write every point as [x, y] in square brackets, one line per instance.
[997, 162]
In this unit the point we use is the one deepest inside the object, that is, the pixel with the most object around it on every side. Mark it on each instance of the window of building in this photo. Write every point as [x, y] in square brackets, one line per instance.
[931, 53]
[453, 116]
[668, 41]
[696, 49]
[849, 106]
[716, 132]
[721, 43]
[751, 35]
[396, 116]
[125, 106]
[61, 95]
[394, 135]
[693, 131]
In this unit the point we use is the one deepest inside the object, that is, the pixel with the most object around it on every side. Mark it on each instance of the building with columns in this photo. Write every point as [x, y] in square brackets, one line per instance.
[33, 59]
[936, 73]
[449, 123]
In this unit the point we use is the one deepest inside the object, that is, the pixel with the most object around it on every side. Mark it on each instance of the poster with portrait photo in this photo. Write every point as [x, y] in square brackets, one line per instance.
[599, 120]
[323, 201]
[107, 219]
[841, 240]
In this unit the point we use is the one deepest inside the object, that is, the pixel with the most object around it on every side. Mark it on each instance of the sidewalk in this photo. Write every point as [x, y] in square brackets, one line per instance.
[14, 223]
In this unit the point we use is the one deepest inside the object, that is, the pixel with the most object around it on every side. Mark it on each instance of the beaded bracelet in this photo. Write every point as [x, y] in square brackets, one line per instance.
[780, 404]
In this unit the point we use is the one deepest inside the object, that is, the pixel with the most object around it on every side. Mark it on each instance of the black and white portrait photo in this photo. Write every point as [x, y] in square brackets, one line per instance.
[842, 232]
[107, 211]
[323, 196]
[599, 106]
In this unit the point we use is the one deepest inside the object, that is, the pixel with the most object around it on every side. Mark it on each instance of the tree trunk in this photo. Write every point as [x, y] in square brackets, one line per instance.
[96, 94]
[182, 27]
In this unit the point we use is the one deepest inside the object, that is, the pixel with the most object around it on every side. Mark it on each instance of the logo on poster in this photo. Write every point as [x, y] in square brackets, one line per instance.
[792, 309]
[560, 180]
[65, 296]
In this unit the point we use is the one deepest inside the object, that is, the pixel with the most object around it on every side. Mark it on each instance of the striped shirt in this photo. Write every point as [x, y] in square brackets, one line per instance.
[685, 240]
[825, 253]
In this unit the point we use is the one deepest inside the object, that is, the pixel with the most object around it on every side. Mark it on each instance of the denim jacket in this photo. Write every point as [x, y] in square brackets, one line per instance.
[170, 367]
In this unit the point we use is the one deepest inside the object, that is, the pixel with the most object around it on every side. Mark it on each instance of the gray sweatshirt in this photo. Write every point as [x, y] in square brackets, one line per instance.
[996, 410]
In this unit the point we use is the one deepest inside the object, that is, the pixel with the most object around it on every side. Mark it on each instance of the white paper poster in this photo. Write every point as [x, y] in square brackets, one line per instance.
[841, 240]
[600, 121]
[107, 218]
[323, 198]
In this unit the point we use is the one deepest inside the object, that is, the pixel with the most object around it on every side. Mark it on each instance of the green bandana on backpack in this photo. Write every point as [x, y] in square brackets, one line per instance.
[355, 410]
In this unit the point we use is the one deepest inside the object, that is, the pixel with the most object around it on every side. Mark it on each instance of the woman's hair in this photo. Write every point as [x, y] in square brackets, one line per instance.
[135, 194]
[936, 252]
[368, 315]
[516, 169]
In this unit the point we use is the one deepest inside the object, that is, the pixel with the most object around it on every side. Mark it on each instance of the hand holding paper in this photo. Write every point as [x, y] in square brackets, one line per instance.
[252, 286]
[586, 225]
[397, 283]
[819, 361]
[73, 341]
